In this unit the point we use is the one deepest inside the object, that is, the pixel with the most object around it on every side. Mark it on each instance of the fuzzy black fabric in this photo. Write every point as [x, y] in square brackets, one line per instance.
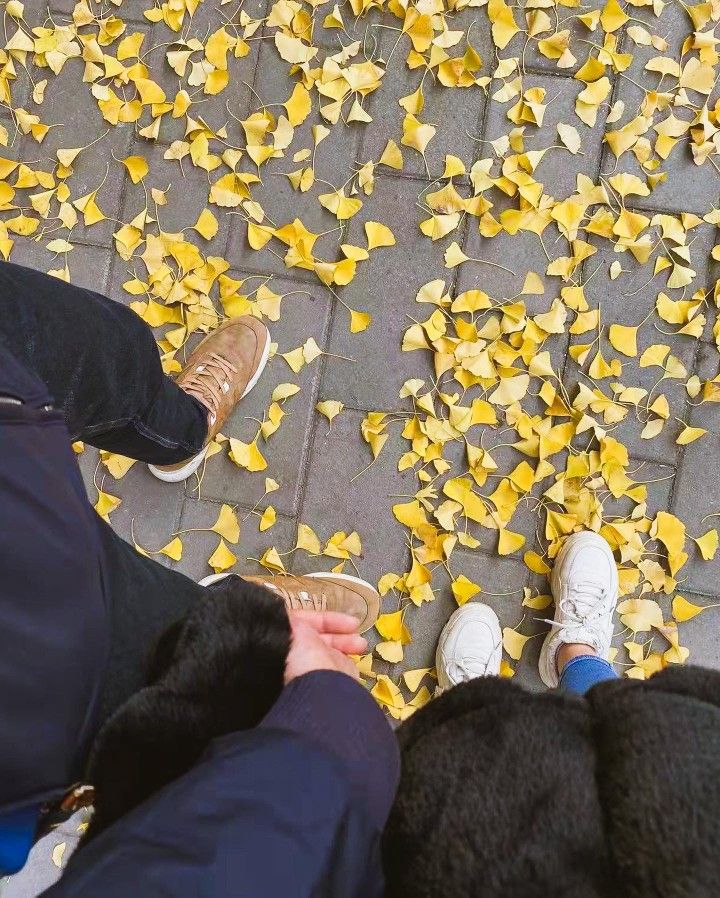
[218, 671]
[508, 794]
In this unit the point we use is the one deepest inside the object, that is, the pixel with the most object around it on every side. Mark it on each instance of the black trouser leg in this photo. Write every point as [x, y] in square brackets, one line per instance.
[100, 364]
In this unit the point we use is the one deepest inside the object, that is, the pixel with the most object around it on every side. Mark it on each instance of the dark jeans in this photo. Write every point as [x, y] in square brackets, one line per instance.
[101, 366]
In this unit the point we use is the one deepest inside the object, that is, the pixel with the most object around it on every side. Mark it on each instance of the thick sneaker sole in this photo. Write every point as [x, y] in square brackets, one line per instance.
[320, 575]
[546, 665]
[373, 612]
[177, 475]
[212, 578]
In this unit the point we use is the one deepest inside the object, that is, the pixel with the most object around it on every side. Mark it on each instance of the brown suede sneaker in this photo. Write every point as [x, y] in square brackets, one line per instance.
[222, 370]
[321, 592]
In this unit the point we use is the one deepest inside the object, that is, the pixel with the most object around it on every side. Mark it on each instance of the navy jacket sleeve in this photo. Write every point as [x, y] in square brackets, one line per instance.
[267, 813]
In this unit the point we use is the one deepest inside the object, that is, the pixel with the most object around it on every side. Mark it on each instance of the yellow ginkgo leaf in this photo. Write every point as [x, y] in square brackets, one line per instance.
[331, 408]
[391, 651]
[247, 455]
[413, 678]
[267, 519]
[510, 542]
[307, 540]
[173, 549]
[640, 615]
[137, 168]
[359, 321]
[689, 435]
[416, 134]
[569, 136]
[284, 391]
[392, 156]
[206, 225]
[536, 564]
[513, 642]
[454, 255]
[106, 504]
[227, 524]
[682, 610]
[464, 589]
[533, 285]
[299, 105]
[117, 465]
[708, 544]
[391, 626]
[378, 235]
[624, 339]
[222, 558]
[506, 669]
[538, 603]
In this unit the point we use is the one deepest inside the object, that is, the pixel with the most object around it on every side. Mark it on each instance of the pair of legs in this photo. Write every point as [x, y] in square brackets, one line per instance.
[95, 361]
[584, 584]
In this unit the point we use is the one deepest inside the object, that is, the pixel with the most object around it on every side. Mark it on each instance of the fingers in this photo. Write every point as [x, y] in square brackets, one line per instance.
[326, 621]
[349, 645]
[345, 665]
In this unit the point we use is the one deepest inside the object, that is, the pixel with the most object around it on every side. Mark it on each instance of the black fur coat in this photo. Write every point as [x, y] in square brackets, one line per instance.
[507, 794]
[218, 670]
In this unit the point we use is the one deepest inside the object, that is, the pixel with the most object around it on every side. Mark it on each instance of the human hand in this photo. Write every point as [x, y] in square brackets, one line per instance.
[322, 640]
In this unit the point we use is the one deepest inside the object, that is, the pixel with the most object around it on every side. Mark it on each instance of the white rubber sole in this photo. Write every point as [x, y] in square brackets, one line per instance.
[320, 575]
[179, 474]
[212, 578]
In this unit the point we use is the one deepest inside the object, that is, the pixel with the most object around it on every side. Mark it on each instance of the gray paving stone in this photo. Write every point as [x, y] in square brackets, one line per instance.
[198, 546]
[559, 168]
[14, 136]
[187, 197]
[335, 162]
[385, 286]
[456, 133]
[89, 265]
[303, 316]
[527, 519]
[697, 490]
[208, 18]
[706, 414]
[518, 254]
[531, 57]
[69, 104]
[127, 10]
[628, 300]
[689, 187]
[336, 498]
[700, 634]
[150, 509]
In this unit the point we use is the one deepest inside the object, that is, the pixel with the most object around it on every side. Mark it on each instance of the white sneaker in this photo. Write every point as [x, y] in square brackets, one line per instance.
[584, 583]
[470, 646]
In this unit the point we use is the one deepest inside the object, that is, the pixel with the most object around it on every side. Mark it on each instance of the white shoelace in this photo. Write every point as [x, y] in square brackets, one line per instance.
[584, 605]
[470, 667]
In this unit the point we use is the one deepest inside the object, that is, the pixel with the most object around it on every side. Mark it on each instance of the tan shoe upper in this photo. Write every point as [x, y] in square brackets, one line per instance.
[326, 592]
[219, 372]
